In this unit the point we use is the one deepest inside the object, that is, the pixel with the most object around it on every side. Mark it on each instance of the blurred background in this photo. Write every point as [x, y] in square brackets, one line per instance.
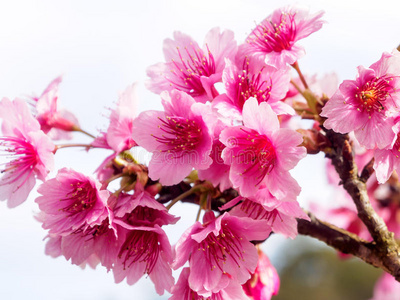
[101, 47]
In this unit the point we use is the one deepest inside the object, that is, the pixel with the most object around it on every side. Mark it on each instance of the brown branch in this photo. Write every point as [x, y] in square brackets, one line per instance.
[385, 244]
[342, 240]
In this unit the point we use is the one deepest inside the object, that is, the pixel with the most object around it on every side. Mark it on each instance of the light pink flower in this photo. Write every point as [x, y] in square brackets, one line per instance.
[248, 81]
[179, 138]
[192, 69]
[261, 154]
[144, 250]
[367, 105]
[274, 40]
[28, 151]
[220, 251]
[119, 132]
[264, 283]
[182, 291]
[53, 121]
[386, 288]
[72, 201]
[387, 160]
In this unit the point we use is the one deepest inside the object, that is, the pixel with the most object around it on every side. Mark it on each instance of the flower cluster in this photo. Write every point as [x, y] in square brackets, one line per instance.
[226, 140]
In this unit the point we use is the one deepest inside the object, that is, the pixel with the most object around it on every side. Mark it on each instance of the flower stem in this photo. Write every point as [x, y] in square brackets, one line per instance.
[297, 68]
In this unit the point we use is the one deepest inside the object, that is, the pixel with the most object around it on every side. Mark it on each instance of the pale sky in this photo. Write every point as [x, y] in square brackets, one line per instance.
[101, 47]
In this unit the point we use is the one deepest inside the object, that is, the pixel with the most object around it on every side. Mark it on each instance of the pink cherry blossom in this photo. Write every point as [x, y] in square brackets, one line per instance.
[28, 152]
[182, 291]
[72, 201]
[179, 138]
[54, 121]
[386, 288]
[192, 69]
[281, 215]
[367, 105]
[261, 154]
[274, 40]
[119, 132]
[264, 283]
[248, 81]
[218, 172]
[225, 254]
[141, 209]
[144, 250]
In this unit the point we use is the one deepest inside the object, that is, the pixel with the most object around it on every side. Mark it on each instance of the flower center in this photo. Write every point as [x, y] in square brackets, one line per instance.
[257, 153]
[180, 134]
[274, 37]
[140, 246]
[187, 72]
[372, 96]
[82, 197]
[22, 158]
[252, 86]
[217, 249]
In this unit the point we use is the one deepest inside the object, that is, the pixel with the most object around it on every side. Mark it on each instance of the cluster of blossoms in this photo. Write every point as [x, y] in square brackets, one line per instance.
[228, 148]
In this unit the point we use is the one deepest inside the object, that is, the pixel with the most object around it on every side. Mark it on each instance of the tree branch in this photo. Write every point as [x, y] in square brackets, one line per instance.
[342, 240]
[385, 244]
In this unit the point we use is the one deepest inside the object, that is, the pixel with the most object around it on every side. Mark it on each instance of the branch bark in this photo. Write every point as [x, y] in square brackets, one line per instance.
[342, 240]
[342, 158]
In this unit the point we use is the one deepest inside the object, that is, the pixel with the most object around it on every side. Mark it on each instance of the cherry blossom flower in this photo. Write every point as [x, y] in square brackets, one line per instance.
[141, 209]
[248, 81]
[274, 40]
[190, 68]
[179, 138]
[72, 201]
[220, 251]
[119, 132]
[182, 291]
[281, 215]
[386, 288]
[264, 283]
[28, 152]
[53, 121]
[261, 154]
[367, 105]
[144, 250]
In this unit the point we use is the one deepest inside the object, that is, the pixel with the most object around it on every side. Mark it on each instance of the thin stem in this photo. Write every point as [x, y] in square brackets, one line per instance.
[85, 132]
[72, 145]
[303, 80]
[198, 214]
[182, 196]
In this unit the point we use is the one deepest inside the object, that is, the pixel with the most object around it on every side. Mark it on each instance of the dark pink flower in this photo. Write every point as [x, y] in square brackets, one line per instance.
[144, 250]
[28, 151]
[274, 40]
[72, 201]
[179, 138]
[248, 81]
[192, 69]
[182, 291]
[219, 251]
[280, 215]
[261, 154]
[264, 283]
[218, 172]
[141, 209]
[367, 105]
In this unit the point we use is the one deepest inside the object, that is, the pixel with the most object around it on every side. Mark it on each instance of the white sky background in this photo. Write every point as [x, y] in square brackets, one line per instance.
[101, 47]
